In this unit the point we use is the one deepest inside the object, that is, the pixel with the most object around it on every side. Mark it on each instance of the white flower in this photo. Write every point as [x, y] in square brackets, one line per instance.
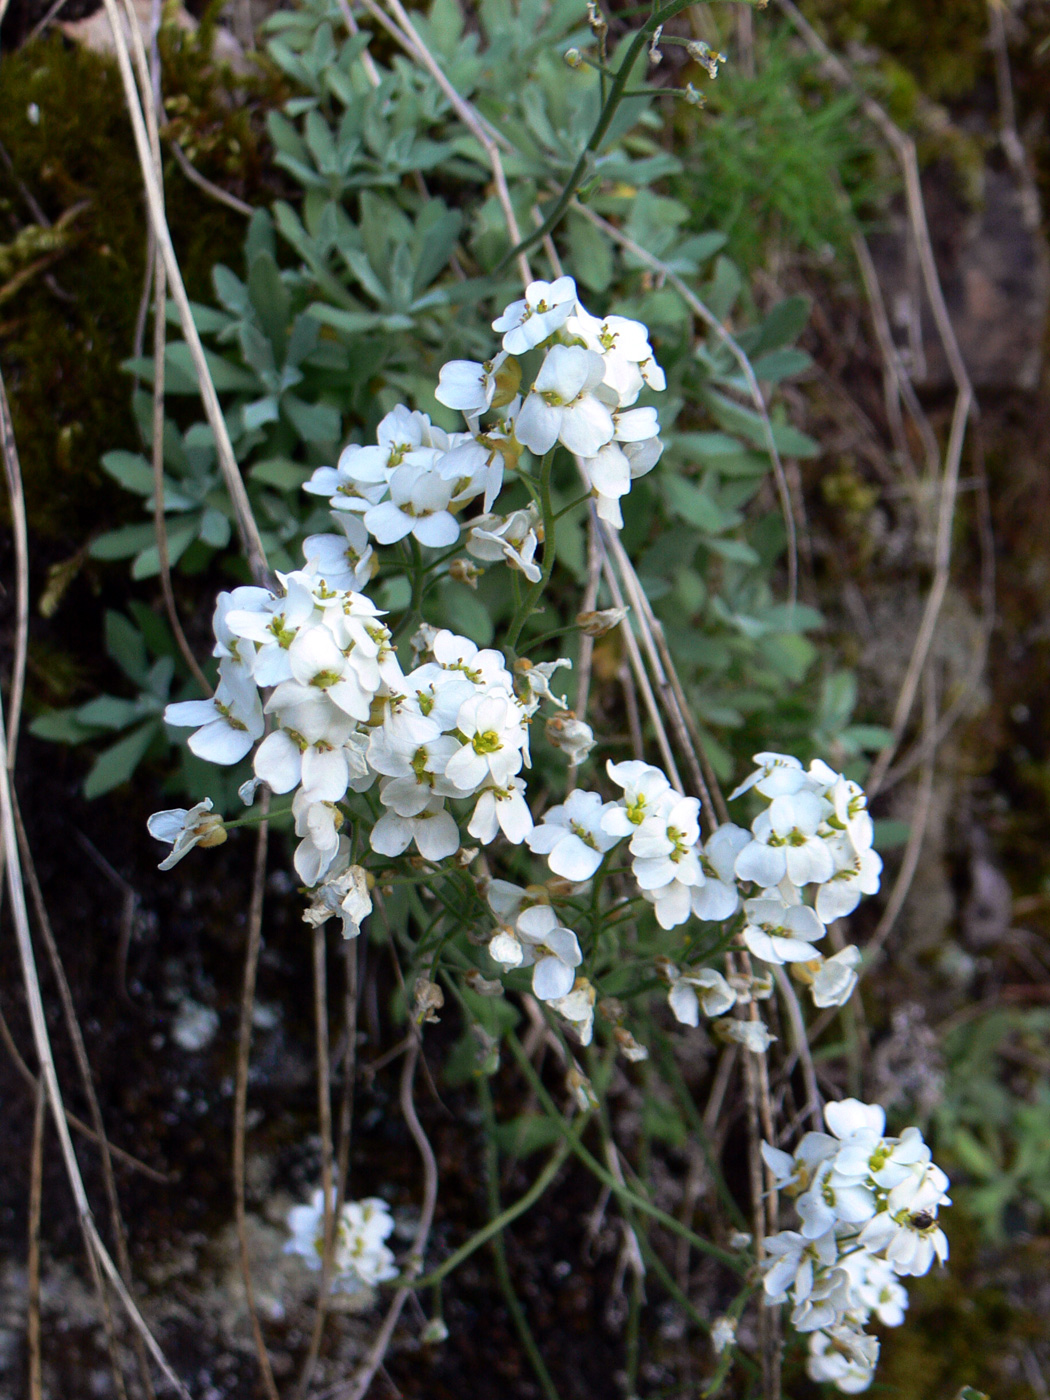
[468, 386]
[777, 773]
[227, 642]
[855, 876]
[543, 310]
[695, 988]
[501, 808]
[230, 721]
[752, 1035]
[345, 895]
[418, 506]
[785, 842]
[718, 897]
[359, 1256]
[185, 829]
[624, 346]
[792, 1261]
[513, 538]
[433, 830]
[577, 1007]
[797, 1171]
[492, 732]
[666, 861]
[906, 1231]
[342, 561]
[608, 474]
[571, 836]
[832, 1199]
[834, 980]
[555, 949]
[875, 1287]
[318, 824]
[723, 1334]
[532, 681]
[844, 1357]
[562, 407]
[643, 790]
[779, 933]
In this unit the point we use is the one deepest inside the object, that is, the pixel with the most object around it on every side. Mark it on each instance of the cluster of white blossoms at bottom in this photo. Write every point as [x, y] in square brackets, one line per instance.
[868, 1209]
[360, 1258]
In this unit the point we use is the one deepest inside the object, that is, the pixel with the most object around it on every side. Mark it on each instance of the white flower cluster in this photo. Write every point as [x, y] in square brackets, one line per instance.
[868, 1206]
[815, 831]
[416, 478]
[345, 714]
[361, 1258]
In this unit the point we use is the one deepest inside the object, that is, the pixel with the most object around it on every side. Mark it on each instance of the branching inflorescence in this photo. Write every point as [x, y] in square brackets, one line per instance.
[384, 757]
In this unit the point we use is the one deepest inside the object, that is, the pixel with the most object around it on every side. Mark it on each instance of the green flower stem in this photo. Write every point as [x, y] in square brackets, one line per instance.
[499, 1222]
[535, 592]
[499, 1250]
[617, 90]
[621, 1192]
[579, 501]
[256, 818]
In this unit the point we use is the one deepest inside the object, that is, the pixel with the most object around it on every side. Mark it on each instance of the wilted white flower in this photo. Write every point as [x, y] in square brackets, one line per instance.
[573, 736]
[184, 829]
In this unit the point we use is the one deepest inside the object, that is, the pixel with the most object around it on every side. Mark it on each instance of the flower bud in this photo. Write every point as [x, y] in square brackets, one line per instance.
[573, 58]
[596, 624]
[628, 1046]
[573, 736]
[579, 1086]
[483, 986]
[463, 571]
[429, 999]
[434, 1332]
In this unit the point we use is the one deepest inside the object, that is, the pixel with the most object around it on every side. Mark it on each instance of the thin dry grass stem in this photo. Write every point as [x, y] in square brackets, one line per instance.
[36, 1191]
[669, 685]
[324, 1118]
[913, 849]
[548, 243]
[138, 340]
[588, 603]
[801, 1054]
[404, 32]
[349, 1069]
[16, 498]
[367, 61]
[637, 665]
[98, 1256]
[934, 599]
[634, 718]
[632, 1250]
[129, 909]
[933, 738]
[246, 526]
[758, 1216]
[713, 1112]
[897, 383]
[208, 187]
[160, 527]
[240, 1095]
[84, 1069]
[705, 314]
[33, 1084]
[1008, 133]
[358, 1387]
